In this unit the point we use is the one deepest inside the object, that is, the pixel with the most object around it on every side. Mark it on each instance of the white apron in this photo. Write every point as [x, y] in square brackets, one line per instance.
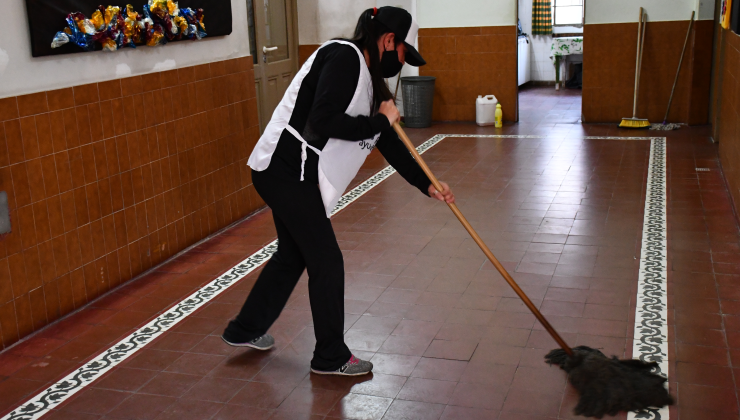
[340, 160]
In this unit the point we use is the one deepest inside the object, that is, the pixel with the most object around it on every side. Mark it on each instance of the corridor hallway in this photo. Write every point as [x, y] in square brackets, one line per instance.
[561, 208]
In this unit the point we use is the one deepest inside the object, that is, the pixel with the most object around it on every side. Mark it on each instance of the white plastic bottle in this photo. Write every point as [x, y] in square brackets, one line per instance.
[485, 110]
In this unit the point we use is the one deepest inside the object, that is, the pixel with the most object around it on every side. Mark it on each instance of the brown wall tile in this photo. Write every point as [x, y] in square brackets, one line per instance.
[729, 112]
[701, 72]
[61, 256]
[56, 218]
[86, 94]
[60, 99]
[6, 288]
[43, 133]
[32, 104]
[66, 299]
[33, 268]
[70, 128]
[609, 72]
[41, 220]
[51, 300]
[8, 108]
[46, 262]
[21, 191]
[305, 51]
[8, 322]
[35, 179]
[91, 217]
[109, 90]
[23, 315]
[468, 62]
[30, 138]
[14, 141]
[4, 159]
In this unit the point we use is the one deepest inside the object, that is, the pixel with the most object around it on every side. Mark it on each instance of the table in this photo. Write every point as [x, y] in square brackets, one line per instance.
[561, 47]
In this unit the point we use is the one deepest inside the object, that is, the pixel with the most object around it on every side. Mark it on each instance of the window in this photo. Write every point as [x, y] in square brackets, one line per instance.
[567, 12]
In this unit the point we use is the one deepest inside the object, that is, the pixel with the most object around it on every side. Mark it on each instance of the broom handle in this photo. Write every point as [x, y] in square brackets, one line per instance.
[637, 65]
[482, 245]
[675, 81]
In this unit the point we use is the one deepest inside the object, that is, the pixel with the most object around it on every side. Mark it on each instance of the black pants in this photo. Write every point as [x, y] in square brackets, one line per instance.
[305, 241]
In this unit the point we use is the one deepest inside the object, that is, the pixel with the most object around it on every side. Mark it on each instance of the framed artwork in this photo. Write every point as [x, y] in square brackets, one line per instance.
[48, 17]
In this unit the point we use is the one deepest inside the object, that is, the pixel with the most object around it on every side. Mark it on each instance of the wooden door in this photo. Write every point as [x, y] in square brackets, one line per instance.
[274, 45]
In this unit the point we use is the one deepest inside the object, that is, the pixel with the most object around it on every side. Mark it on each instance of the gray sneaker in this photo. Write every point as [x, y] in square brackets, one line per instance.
[260, 343]
[354, 367]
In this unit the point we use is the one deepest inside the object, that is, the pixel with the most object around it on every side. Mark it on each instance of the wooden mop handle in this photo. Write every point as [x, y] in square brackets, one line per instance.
[675, 81]
[637, 65]
[481, 244]
[641, 48]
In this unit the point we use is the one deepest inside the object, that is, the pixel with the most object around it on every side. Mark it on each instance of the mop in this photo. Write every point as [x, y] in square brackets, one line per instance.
[673, 126]
[606, 385]
[635, 122]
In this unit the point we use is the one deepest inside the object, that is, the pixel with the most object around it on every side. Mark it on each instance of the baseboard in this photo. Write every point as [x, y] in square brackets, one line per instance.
[532, 83]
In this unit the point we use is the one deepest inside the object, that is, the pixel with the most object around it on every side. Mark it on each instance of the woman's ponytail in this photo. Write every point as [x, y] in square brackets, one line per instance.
[367, 32]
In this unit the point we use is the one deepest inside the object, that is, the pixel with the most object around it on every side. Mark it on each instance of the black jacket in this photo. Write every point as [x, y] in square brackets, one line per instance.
[318, 115]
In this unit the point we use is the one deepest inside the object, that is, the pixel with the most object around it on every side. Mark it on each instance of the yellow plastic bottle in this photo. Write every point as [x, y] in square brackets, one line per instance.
[499, 116]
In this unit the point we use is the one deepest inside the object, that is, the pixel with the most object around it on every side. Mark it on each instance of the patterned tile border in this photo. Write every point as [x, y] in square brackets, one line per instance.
[651, 315]
[651, 309]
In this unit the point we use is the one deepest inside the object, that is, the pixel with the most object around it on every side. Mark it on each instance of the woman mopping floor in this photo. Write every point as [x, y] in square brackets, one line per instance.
[340, 108]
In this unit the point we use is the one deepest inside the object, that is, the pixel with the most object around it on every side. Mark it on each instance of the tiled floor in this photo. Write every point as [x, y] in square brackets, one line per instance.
[546, 107]
[448, 338]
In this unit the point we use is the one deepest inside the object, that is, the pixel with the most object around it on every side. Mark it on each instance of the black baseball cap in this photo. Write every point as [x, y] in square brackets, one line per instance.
[400, 22]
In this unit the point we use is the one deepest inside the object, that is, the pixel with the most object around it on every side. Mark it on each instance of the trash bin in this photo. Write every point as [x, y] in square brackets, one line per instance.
[418, 97]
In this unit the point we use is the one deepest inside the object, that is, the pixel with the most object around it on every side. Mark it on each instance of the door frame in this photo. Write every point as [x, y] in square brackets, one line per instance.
[516, 60]
[260, 90]
[517, 57]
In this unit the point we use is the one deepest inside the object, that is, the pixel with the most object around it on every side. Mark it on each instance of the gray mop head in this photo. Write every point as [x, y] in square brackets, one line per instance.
[665, 127]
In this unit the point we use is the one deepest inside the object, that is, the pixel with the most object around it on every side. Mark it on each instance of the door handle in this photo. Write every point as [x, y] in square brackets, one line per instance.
[266, 50]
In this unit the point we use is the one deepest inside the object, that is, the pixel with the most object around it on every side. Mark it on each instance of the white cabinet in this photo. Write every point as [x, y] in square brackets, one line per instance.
[523, 61]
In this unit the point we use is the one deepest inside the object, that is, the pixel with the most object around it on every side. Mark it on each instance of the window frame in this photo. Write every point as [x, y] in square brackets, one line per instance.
[575, 25]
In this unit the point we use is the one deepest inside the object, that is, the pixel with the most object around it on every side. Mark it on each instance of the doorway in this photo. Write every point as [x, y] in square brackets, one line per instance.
[273, 43]
[550, 62]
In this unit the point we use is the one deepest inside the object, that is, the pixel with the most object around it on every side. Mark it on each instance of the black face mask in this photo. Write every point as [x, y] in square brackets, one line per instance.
[390, 64]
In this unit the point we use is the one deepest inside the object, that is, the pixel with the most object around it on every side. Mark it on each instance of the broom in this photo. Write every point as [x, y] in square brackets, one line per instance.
[606, 385]
[635, 122]
[664, 126]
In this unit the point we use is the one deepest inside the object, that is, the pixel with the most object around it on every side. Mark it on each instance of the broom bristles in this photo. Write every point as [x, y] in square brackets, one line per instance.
[634, 123]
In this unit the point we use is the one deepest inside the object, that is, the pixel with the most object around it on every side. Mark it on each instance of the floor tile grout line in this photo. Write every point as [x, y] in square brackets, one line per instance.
[59, 392]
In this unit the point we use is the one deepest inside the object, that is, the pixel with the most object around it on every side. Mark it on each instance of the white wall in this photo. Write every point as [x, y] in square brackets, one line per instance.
[619, 11]
[337, 18]
[308, 22]
[322, 20]
[20, 73]
[465, 13]
[705, 9]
